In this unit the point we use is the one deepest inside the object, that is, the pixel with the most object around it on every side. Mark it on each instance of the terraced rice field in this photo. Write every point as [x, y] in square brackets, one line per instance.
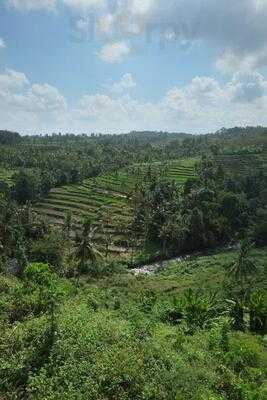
[242, 165]
[178, 170]
[105, 200]
[5, 176]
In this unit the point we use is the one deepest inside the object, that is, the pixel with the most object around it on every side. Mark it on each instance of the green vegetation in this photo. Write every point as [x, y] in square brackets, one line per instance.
[81, 314]
[127, 337]
[105, 200]
[214, 209]
[243, 164]
[6, 176]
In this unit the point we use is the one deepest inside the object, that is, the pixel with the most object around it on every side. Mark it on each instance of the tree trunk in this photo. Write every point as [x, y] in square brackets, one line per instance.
[239, 323]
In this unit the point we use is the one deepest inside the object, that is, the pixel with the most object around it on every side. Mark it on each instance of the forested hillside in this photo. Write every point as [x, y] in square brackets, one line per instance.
[134, 266]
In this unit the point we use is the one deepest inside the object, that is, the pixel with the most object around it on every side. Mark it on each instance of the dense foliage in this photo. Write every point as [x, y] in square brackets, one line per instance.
[77, 324]
[61, 159]
[211, 210]
[124, 337]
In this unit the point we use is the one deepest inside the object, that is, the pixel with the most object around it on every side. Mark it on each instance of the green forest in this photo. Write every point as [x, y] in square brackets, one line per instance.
[134, 266]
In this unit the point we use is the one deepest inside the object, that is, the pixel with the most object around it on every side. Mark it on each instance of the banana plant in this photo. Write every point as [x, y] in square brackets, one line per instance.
[258, 312]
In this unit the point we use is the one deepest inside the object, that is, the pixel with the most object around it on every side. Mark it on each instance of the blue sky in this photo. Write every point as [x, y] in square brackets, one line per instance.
[118, 65]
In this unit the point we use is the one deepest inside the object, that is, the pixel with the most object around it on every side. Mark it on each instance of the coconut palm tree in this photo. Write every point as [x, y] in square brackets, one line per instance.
[86, 250]
[243, 266]
[241, 270]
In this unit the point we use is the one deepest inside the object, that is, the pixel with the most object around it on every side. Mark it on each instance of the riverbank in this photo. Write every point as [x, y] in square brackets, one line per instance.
[152, 268]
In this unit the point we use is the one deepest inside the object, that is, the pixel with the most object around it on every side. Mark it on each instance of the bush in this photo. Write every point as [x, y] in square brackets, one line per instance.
[39, 292]
[23, 350]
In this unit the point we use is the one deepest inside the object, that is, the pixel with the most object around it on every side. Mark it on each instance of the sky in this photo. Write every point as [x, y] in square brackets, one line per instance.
[114, 66]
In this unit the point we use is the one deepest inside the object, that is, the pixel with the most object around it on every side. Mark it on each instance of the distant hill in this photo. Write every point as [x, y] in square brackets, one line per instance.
[223, 138]
[248, 130]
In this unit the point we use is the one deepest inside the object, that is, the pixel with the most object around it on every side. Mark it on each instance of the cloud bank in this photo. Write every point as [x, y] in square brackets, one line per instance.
[31, 107]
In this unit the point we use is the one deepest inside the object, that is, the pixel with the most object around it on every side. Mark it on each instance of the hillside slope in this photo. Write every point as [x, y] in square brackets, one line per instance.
[105, 200]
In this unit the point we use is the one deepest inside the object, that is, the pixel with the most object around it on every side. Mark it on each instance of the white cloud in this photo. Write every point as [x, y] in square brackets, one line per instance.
[2, 44]
[12, 80]
[94, 105]
[127, 82]
[248, 87]
[104, 113]
[206, 103]
[204, 88]
[114, 52]
[27, 107]
[29, 5]
[84, 5]
[105, 24]
[141, 6]
[34, 5]
[237, 30]
[46, 98]
[229, 62]
[202, 105]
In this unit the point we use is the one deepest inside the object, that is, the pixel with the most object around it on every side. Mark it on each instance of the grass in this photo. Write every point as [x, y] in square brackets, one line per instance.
[205, 273]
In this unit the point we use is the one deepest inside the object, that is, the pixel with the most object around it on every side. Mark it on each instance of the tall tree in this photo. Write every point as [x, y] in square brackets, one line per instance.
[240, 271]
[243, 266]
[25, 187]
[86, 250]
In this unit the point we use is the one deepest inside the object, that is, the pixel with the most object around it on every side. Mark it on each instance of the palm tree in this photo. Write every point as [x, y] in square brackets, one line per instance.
[85, 250]
[243, 266]
[241, 270]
